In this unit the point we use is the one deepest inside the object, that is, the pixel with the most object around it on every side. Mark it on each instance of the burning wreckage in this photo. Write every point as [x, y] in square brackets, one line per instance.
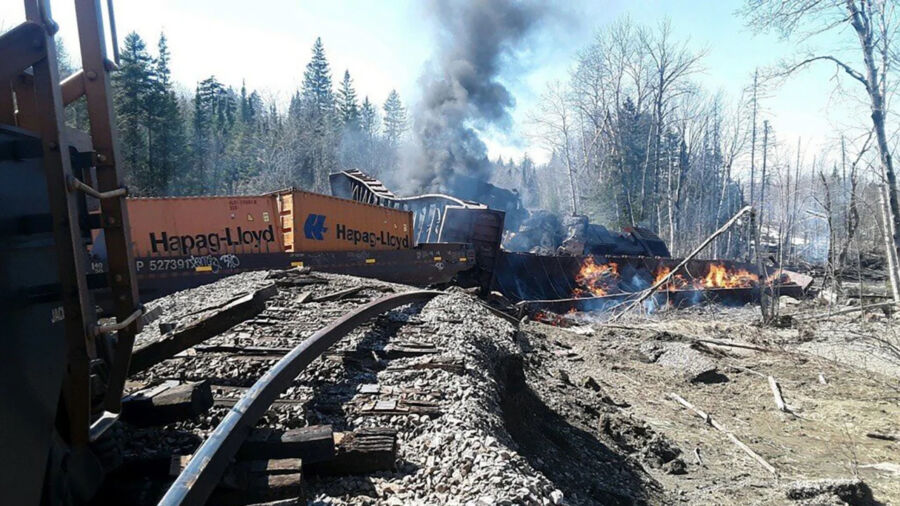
[529, 262]
[543, 267]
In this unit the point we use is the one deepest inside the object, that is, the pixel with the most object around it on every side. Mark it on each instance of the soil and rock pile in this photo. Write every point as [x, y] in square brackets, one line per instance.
[486, 413]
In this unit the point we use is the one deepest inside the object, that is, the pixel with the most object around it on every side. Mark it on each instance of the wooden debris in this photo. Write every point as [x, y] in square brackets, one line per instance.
[883, 436]
[302, 298]
[709, 420]
[300, 281]
[360, 452]
[339, 295]
[246, 350]
[400, 407]
[260, 488]
[450, 365]
[167, 403]
[857, 309]
[727, 344]
[177, 341]
[295, 271]
[311, 444]
[776, 393]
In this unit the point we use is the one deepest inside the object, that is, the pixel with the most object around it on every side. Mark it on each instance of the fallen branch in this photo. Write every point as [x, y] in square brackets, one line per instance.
[822, 316]
[776, 393]
[883, 437]
[646, 294]
[708, 419]
[734, 345]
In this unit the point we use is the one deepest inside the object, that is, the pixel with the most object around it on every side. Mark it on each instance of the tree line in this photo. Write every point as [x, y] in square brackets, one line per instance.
[223, 140]
[634, 137]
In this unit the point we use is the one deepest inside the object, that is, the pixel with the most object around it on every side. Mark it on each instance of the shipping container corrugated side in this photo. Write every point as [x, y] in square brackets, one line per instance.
[289, 221]
[314, 222]
[201, 226]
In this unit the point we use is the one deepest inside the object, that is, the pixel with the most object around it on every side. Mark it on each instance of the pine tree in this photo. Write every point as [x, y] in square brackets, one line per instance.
[133, 86]
[169, 146]
[368, 118]
[394, 118]
[347, 105]
[316, 131]
[317, 93]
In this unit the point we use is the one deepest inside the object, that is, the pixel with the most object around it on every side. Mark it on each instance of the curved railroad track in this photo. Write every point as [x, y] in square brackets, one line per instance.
[244, 363]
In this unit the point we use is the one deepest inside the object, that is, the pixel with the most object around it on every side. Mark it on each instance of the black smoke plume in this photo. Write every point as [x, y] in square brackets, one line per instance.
[462, 92]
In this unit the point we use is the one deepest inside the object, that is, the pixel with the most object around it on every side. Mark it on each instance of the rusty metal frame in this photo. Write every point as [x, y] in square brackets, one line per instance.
[197, 481]
[122, 276]
[21, 47]
[78, 306]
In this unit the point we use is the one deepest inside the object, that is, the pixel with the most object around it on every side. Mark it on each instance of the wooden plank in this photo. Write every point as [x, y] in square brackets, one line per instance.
[166, 347]
[168, 404]
[360, 452]
[339, 295]
[311, 444]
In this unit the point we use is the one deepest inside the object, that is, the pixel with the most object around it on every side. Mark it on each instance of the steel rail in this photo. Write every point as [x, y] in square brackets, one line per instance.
[205, 469]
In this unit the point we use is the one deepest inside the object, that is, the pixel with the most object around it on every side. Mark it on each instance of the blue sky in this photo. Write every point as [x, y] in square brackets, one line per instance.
[385, 44]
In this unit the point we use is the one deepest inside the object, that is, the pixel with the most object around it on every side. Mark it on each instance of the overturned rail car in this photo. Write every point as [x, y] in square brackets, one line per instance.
[181, 242]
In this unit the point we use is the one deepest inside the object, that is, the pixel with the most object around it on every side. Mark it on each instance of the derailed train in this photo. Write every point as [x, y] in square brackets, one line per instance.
[73, 242]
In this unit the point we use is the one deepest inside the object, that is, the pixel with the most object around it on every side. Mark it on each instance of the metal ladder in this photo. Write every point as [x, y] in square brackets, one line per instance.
[35, 101]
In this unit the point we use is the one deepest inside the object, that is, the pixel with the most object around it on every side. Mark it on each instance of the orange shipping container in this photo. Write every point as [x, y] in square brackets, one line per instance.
[164, 227]
[314, 222]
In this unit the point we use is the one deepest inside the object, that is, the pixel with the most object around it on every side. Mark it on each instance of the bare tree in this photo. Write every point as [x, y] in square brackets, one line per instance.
[671, 63]
[873, 23]
[554, 127]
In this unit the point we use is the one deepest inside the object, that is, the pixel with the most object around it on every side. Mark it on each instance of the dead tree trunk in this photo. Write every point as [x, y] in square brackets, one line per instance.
[861, 20]
[888, 234]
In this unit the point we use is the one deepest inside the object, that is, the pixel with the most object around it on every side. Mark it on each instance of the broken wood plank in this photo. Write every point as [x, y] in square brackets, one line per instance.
[450, 365]
[302, 298]
[709, 420]
[294, 271]
[304, 281]
[167, 404]
[339, 295]
[311, 444]
[247, 350]
[179, 340]
[362, 451]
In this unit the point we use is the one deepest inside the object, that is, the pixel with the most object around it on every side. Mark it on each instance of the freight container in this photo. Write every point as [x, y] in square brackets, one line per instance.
[314, 222]
[204, 226]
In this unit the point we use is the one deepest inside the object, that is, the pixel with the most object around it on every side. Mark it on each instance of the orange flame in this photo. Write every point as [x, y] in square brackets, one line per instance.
[720, 277]
[595, 280]
[676, 282]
